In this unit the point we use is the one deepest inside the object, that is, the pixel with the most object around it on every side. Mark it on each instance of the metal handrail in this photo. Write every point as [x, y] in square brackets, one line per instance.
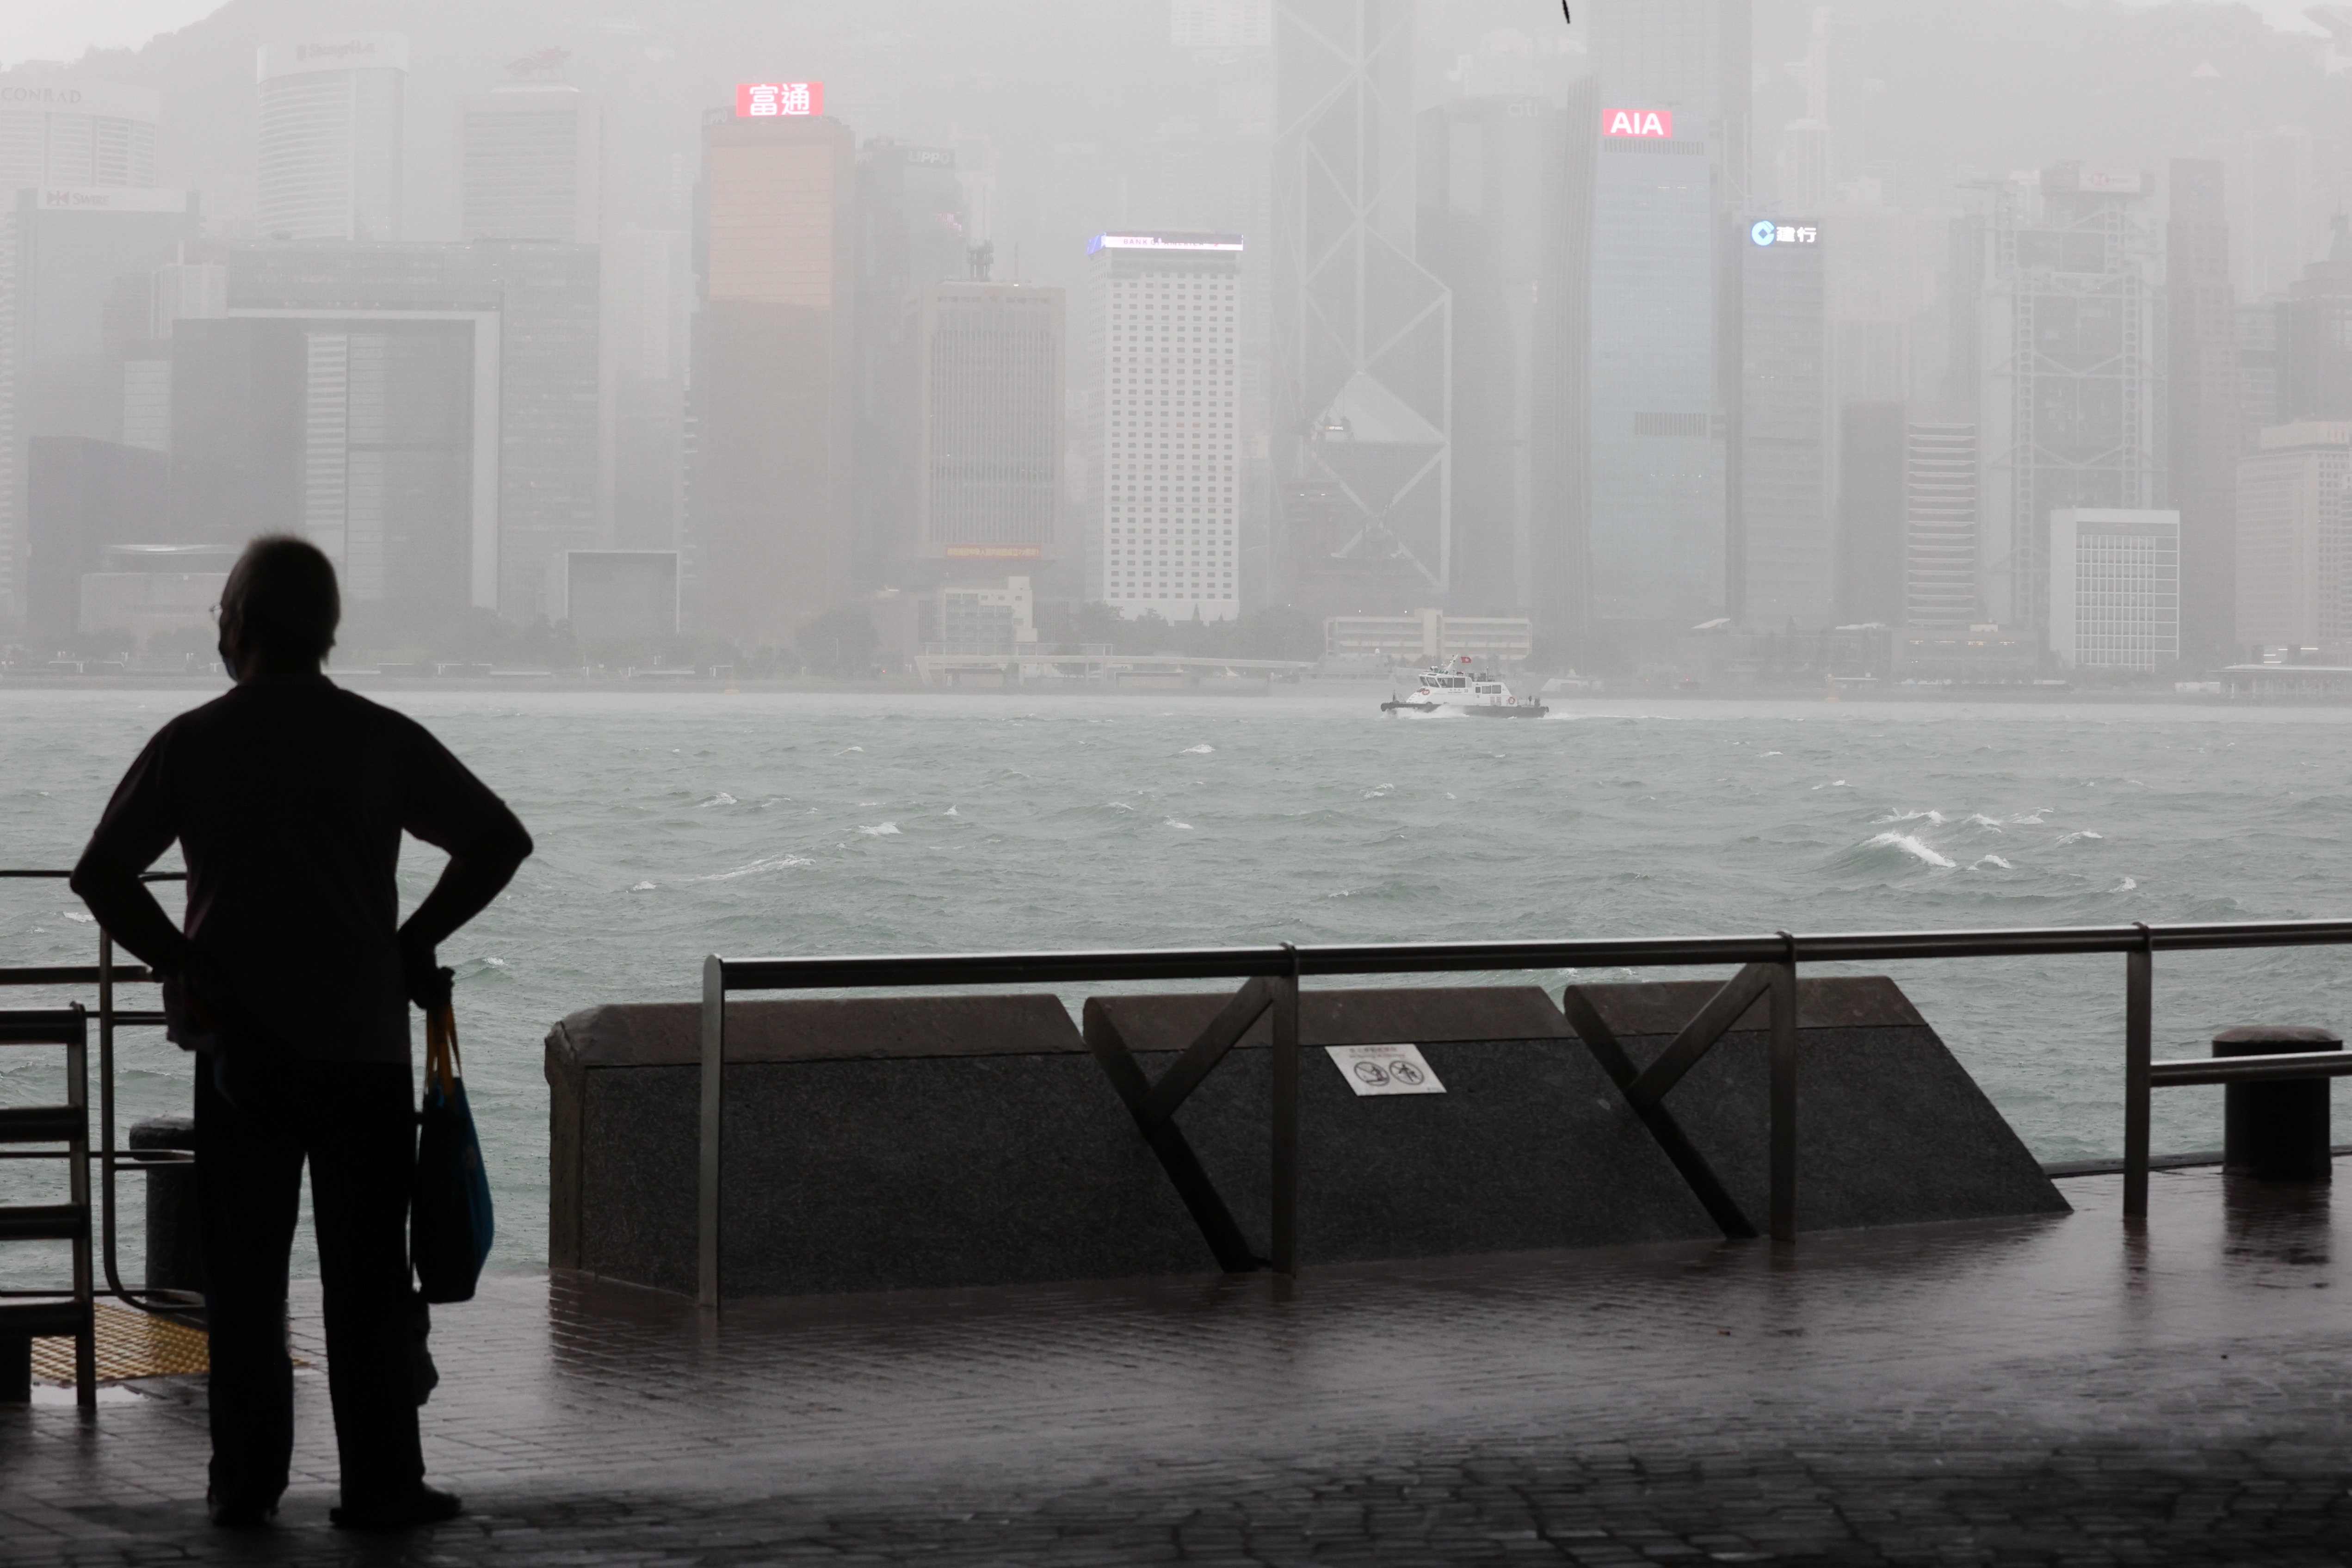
[1780, 954]
[106, 975]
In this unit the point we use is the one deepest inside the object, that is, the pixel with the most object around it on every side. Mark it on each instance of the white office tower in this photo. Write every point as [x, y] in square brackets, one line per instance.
[1162, 355]
[531, 163]
[330, 135]
[2114, 587]
[80, 135]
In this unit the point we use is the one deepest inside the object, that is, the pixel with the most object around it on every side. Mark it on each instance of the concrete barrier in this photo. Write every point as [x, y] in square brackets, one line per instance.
[870, 1145]
[907, 1142]
[1890, 1127]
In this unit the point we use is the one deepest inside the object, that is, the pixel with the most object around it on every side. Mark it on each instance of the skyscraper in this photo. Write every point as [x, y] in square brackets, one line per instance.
[531, 163]
[1503, 193]
[2114, 587]
[331, 125]
[2294, 570]
[1781, 537]
[1161, 369]
[64, 253]
[1672, 174]
[910, 233]
[768, 514]
[1361, 330]
[2202, 400]
[2057, 338]
[448, 403]
[1940, 516]
[76, 135]
[988, 419]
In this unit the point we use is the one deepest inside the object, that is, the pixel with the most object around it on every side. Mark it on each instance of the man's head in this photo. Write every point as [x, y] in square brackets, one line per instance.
[279, 609]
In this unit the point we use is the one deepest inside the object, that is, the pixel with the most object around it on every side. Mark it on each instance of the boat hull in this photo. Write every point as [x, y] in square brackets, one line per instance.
[1521, 710]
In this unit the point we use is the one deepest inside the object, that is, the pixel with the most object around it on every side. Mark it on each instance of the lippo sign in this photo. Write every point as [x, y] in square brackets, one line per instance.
[1657, 122]
[758, 99]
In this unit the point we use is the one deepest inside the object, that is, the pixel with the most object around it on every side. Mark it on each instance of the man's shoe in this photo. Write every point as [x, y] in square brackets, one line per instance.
[426, 1505]
[235, 1514]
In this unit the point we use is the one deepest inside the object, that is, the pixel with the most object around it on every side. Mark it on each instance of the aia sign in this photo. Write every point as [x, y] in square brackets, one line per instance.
[758, 99]
[1658, 122]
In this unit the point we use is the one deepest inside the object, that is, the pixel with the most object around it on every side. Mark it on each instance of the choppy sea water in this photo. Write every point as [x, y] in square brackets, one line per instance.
[673, 825]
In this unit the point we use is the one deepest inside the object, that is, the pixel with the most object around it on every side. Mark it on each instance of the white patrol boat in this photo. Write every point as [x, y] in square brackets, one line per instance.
[1444, 689]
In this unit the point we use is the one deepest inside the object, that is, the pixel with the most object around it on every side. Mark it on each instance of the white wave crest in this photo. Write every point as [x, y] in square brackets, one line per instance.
[1911, 846]
[772, 863]
[78, 918]
[641, 888]
[1993, 860]
[846, 750]
[1198, 751]
[880, 830]
[1980, 819]
[2078, 837]
[2126, 886]
[1932, 818]
[1118, 806]
[2032, 818]
[721, 798]
[952, 811]
[1172, 822]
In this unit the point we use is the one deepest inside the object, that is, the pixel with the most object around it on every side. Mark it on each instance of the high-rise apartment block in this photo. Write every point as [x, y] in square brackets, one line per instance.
[768, 511]
[2114, 587]
[531, 163]
[1362, 376]
[2293, 575]
[1779, 501]
[2057, 334]
[2313, 337]
[332, 123]
[75, 135]
[2205, 424]
[1162, 349]
[1671, 176]
[988, 419]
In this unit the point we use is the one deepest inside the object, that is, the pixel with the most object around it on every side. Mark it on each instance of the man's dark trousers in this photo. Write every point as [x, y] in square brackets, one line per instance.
[356, 1124]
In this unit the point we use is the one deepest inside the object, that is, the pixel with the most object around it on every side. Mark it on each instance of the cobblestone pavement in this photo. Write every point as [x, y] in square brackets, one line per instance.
[2047, 1391]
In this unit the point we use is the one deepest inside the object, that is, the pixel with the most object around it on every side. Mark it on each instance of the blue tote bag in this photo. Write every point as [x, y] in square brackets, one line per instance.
[449, 1225]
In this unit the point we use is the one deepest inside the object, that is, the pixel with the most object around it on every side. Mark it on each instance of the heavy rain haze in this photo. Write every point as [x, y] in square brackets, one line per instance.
[919, 476]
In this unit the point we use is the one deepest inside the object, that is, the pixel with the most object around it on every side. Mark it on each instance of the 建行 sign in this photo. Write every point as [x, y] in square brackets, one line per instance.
[1385, 1069]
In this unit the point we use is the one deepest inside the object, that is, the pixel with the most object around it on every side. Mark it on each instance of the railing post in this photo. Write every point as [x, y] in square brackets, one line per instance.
[714, 1111]
[1784, 1095]
[1284, 1225]
[2140, 1053]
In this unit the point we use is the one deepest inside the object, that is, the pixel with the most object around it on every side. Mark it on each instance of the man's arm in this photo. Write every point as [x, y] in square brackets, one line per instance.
[127, 911]
[468, 882]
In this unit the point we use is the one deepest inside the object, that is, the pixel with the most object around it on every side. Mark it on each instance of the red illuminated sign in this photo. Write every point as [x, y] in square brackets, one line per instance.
[995, 552]
[758, 99]
[1659, 122]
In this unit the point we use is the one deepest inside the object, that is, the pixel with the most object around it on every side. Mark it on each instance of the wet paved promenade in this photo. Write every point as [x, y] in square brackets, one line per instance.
[2042, 1392]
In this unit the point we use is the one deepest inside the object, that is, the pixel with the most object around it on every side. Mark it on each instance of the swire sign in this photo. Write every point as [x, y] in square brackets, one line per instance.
[758, 99]
[1657, 122]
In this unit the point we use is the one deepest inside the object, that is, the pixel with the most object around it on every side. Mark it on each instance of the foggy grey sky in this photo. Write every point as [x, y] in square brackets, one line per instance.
[43, 29]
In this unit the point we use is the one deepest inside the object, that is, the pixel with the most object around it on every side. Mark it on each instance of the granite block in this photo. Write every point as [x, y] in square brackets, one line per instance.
[1890, 1127]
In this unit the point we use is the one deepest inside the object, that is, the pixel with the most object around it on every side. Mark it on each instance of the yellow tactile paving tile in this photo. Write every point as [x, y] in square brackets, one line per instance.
[130, 1344]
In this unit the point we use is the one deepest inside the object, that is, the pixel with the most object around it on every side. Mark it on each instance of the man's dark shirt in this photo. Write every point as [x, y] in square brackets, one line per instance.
[288, 796]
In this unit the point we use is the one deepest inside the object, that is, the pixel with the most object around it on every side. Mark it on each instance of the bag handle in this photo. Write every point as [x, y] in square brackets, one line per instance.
[441, 1062]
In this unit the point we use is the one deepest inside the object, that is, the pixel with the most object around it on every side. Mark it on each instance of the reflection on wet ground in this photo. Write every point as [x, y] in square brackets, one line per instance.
[2030, 1390]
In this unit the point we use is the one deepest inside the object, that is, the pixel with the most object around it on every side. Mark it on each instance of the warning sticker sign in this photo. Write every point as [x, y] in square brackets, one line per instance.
[1385, 1069]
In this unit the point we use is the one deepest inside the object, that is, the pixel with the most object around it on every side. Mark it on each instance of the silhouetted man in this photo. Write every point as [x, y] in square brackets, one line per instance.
[288, 796]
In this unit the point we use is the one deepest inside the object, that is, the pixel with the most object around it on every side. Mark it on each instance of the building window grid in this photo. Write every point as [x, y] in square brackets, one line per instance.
[2127, 602]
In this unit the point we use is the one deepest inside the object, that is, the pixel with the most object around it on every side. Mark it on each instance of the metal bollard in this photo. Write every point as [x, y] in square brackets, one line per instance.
[2276, 1132]
[173, 1263]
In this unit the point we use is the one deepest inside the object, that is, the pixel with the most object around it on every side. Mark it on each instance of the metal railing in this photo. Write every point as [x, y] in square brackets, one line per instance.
[105, 975]
[1768, 971]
